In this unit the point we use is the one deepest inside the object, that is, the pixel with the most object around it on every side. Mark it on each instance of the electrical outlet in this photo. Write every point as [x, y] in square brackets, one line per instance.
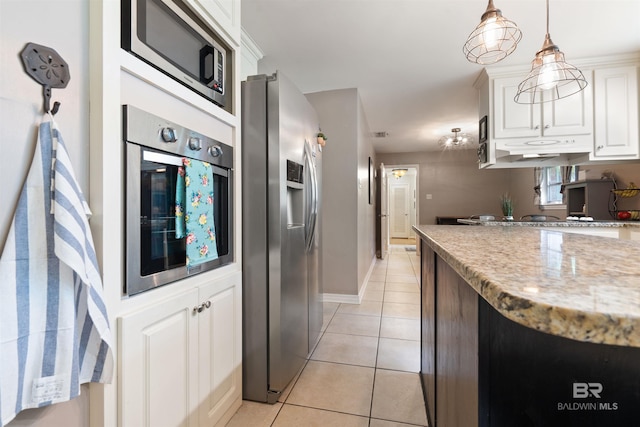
[429, 196]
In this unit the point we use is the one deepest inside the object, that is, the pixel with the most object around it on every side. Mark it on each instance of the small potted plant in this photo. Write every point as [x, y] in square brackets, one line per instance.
[322, 139]
[507, 206]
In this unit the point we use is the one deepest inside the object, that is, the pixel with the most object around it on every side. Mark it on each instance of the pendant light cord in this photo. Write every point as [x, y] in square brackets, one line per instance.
[547, 17]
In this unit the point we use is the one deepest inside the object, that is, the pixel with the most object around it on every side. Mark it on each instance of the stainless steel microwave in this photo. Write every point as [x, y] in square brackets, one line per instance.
[169, 36]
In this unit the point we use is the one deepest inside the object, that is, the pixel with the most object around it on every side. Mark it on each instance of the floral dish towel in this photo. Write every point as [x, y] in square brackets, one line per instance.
[194, 211]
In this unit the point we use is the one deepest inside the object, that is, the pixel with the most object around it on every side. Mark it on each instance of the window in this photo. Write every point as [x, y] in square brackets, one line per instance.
[552, 183]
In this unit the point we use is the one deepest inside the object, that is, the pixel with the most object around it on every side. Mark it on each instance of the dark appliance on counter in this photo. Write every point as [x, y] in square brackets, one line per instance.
[169, 36]
[155, 148]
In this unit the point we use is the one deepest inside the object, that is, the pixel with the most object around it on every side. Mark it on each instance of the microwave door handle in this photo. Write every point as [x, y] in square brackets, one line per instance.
[207, 53]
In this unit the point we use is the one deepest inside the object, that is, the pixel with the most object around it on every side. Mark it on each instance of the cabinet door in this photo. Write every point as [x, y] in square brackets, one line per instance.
[572, 115]
[220, 14]
[512, 120]
[616, 112]
[158, 364]
[220, 351]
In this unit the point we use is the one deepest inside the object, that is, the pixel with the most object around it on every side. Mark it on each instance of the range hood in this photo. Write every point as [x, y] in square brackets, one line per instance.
[544, 146]
[532, 153]
[532, 159]
[525, 152]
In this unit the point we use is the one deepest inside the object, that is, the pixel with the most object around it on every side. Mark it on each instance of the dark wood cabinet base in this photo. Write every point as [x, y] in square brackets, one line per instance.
[530, 378]
[479, 368]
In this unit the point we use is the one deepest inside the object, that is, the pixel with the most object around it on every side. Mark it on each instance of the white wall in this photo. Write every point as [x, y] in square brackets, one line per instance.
[341, 192]
[63, 26]
[366, 217]
[456, 185]
[348, 239]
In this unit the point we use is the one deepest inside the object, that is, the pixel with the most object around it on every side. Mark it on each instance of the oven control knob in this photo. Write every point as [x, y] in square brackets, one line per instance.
[169, 134]
[195, 143]
[215, 151]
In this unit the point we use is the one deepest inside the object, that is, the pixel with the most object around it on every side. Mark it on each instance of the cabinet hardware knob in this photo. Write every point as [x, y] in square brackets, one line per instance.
[547, 126]
[202, 307]
[537, 127]
[599, 147]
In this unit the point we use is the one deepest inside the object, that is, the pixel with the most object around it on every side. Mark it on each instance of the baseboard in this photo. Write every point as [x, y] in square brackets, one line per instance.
[350, 298]
[341, 298]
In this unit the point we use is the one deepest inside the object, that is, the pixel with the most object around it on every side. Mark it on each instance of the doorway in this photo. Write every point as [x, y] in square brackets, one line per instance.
[402, 185]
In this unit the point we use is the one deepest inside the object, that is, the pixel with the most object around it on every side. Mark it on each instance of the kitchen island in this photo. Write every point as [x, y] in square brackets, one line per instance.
[526, 326]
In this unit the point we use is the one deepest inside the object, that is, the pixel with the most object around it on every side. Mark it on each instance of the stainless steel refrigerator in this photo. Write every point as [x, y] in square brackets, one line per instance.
[281, 176]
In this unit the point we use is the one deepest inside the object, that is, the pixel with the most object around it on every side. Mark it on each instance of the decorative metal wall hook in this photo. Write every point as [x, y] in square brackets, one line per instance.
[48, 68]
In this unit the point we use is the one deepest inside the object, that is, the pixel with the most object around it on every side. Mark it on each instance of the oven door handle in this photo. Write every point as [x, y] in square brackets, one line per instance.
[168, 159]
[165, 159]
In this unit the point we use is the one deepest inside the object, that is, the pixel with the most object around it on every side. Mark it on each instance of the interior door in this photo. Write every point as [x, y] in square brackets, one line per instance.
[382, 213]
[385, 212]
[400, 209]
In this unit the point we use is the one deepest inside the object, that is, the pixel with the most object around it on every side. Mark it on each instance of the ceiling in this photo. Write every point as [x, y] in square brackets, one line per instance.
[405, 56]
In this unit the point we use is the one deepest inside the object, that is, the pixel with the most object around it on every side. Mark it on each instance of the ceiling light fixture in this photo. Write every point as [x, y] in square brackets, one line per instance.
[494, 38]
[457, 140]
[550, 75]
[398, 173]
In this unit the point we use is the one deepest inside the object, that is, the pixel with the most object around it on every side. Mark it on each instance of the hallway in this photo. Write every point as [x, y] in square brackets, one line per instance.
[364, 370]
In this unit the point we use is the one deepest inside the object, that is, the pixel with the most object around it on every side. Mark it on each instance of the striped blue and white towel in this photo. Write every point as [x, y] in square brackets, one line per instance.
[54, 328]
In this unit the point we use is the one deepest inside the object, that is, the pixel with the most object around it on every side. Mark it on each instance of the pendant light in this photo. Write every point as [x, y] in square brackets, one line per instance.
[457, 140]
[550, 75]
[494, 38]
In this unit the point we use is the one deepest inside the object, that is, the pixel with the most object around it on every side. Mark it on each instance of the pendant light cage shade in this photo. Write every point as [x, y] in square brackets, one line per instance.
[550, 78]
[493, 39]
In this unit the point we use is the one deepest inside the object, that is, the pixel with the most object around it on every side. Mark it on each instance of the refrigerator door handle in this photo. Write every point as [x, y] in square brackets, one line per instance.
[313, 199]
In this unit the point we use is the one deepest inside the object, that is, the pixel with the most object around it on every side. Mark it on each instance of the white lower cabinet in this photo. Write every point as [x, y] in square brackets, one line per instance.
[180, 366]
[220, 351]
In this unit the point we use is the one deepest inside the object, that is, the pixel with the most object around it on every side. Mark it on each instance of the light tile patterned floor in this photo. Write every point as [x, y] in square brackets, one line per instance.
[364, 370]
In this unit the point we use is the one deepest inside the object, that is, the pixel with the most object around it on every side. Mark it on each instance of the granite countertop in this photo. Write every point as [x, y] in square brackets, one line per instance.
[595, 223]
[577, 286]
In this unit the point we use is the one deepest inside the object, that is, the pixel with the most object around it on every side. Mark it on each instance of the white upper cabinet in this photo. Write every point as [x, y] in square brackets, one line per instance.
[616, 113]
[221, 15]
[599, 123]
[564, 117]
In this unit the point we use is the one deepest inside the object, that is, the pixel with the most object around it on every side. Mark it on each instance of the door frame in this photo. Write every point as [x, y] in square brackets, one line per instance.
[388, 168]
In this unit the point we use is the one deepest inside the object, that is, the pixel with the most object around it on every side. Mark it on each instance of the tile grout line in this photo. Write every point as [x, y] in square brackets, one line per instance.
[375, 366]
[322, 334]
[297, 378]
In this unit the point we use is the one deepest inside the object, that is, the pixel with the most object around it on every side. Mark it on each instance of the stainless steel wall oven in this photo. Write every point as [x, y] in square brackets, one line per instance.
[155, 150]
